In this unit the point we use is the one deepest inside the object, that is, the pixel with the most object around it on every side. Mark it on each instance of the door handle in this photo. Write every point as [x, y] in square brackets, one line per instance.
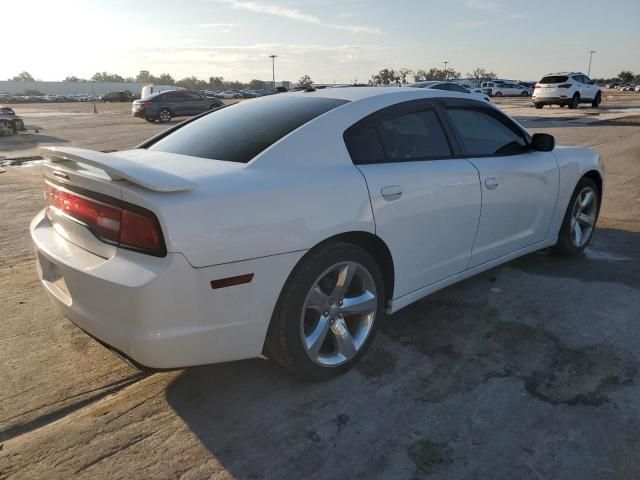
[491, 183]
[391, 192]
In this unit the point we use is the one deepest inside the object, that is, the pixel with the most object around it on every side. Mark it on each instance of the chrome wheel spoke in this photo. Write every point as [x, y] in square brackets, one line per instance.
[586, 199]
[586, 219]
[345, 343]
[318, 300]
[577, 234]
[317, 337]
[345, 277]
[364, 303]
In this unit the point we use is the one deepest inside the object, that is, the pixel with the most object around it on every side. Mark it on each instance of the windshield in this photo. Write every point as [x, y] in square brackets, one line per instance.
[241, 131]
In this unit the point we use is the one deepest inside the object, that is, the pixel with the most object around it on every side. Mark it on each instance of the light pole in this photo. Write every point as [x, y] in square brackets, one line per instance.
[445, 68]
[273, 69]
[591, 52]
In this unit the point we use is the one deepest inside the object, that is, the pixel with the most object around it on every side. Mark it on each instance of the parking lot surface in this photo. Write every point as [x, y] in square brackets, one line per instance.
[527, 371]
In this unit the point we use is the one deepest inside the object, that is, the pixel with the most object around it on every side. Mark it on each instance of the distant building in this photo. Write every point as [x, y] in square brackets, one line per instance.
[70, 88]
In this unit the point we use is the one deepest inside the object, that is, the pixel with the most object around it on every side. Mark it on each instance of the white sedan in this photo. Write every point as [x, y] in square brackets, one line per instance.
[291, 224]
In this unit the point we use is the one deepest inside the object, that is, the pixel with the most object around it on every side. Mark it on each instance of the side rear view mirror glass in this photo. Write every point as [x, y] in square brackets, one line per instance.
[543, 142]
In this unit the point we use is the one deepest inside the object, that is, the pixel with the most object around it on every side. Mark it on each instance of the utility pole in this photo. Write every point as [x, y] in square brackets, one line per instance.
[273, 69]
[445, 69]
[591, 52]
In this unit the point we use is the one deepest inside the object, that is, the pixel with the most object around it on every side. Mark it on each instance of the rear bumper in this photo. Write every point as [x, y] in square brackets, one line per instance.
[160, 312]
[551, 100]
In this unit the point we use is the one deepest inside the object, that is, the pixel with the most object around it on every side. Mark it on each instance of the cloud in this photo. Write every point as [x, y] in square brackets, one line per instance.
[218, 27]
[481, 4]
[297, 15]
[471, 25]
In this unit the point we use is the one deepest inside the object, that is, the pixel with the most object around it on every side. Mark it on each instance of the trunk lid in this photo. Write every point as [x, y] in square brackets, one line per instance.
[138, 178]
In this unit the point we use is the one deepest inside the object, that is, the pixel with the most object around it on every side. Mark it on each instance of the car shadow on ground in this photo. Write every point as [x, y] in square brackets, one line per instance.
[28, 140]
[417, 404]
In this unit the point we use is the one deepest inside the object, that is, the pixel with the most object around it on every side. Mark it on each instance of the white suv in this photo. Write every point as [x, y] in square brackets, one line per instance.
[566, 88]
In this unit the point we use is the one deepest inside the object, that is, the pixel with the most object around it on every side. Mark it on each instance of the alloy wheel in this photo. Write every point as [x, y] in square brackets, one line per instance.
[338, 314]
[165, 115]
[583, 216]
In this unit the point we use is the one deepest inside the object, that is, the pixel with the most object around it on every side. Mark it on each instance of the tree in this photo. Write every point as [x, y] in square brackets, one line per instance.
[106, 77]
[143, 76]
[216, 83]
[74, 79]
[163, 79]
[385, 76]
[305, 81]
[256, 84]
[481, 75]
[192, 83]
[436, 74]
[625, 76]
[636, 79]
[23, 77]
[403, 74]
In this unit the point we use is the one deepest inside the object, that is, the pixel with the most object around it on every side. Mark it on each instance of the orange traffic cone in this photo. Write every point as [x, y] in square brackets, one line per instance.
[95, 109]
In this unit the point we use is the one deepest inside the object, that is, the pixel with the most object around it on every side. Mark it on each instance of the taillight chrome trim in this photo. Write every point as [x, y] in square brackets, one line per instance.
[111, 202]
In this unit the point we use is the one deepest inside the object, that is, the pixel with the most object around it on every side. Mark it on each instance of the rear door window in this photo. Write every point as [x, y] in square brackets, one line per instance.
[364, 147]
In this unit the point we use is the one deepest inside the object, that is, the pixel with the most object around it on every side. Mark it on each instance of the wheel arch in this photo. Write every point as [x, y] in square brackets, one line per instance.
[375, 247]
[597, 178]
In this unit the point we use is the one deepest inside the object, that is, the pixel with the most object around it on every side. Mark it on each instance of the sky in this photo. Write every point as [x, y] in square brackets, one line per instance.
[330, 40]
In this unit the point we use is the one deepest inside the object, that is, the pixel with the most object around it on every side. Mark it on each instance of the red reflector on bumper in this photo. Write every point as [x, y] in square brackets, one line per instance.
[231, 281]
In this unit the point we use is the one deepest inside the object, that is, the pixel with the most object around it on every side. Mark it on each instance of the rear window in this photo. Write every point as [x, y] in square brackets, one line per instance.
[554, 79]
[241, 131]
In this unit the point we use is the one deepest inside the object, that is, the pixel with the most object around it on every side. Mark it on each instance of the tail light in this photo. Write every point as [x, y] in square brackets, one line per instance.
[112, 221]
[145, 104]
[564, 85]
[538, 85]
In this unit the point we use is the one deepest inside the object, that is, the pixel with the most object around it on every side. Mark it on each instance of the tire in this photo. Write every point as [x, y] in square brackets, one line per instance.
[562, 105]
[597, 100]
[567, 244]
[524, 94]
[164, 116]
[497, 94]
[299, 317]
[575, 101]
[150, 119]
[538, 106]
[6, 128]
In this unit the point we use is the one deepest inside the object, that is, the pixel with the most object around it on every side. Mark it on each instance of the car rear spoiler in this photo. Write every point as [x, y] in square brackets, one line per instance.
[118, 168]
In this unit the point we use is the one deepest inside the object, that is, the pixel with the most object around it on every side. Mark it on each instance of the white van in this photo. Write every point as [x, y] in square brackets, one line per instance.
[151, 88]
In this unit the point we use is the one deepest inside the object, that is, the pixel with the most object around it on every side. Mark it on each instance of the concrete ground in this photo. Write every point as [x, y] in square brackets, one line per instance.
[528, 371]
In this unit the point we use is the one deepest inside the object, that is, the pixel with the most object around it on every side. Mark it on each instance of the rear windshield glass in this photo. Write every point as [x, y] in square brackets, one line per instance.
[554, 79]
[241, 131]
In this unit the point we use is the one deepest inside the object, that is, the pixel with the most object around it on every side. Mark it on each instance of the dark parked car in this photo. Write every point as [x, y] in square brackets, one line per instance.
[163, 106]
[9, 122]
[125, 96]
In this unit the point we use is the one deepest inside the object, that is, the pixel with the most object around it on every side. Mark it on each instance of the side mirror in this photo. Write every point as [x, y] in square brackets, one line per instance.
[543, 142]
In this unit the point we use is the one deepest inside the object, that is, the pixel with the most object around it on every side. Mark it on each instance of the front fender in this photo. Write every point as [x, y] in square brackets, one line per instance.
[573, 164]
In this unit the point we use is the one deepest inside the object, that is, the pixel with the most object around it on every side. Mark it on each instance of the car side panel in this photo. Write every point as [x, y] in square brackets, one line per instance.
[250, 213]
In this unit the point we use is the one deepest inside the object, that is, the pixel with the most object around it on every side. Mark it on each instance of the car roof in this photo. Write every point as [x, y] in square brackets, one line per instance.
[353, 94]
[427, 83]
